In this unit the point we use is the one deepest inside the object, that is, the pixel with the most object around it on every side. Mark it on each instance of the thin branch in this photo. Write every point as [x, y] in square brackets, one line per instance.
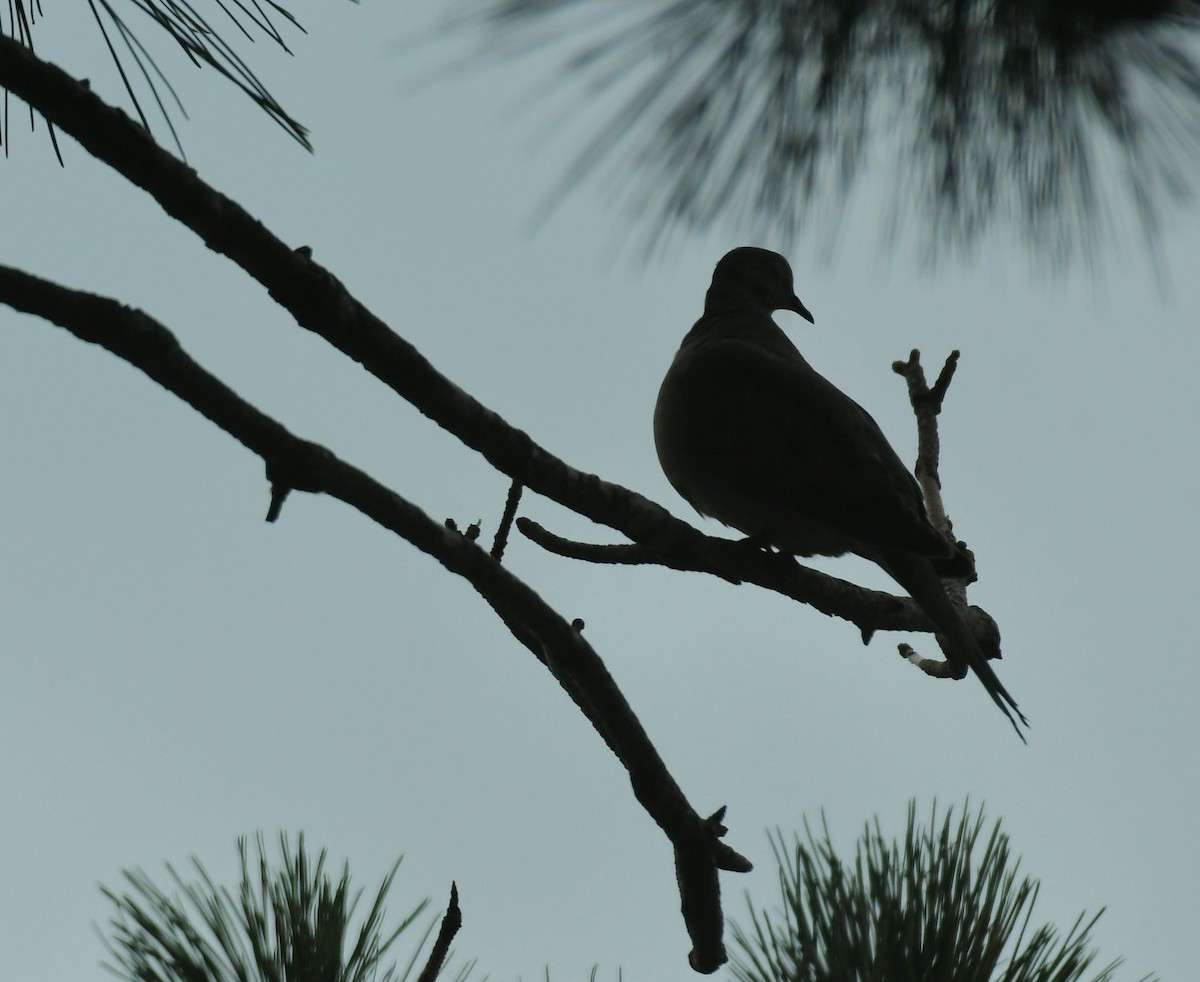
[500, 542]
[622, 554]
[926, 404]
[744, 562]
[305, 466]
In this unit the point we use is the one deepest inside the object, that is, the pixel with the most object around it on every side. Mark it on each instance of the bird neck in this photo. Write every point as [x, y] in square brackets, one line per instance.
[742, 323]
[725, 298]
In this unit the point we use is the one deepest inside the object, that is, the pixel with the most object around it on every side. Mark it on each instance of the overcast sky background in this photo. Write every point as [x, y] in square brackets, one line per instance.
[177, 673]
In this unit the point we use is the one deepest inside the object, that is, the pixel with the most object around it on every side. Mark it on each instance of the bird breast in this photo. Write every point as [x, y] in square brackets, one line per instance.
[721, 455]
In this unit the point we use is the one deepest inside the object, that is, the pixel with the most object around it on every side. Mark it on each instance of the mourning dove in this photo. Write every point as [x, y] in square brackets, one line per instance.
[751, 435]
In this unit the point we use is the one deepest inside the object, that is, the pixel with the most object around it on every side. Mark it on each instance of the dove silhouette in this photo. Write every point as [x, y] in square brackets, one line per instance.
[750, 434]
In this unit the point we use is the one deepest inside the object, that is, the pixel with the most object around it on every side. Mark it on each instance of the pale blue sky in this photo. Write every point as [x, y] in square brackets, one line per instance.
[178, 673]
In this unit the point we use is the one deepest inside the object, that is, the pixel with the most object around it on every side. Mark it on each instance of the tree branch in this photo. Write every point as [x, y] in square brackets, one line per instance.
[868, 609]
[744, 562]
[149, 346]
[500, 542]
[318, 302]
[926, 404]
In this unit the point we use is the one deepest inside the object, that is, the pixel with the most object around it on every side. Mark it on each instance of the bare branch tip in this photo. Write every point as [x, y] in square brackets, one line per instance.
[909, 369]
[715, 822]
[733, 862]
[944, 377]
[706, 965]
[451, 922]
[279, 493]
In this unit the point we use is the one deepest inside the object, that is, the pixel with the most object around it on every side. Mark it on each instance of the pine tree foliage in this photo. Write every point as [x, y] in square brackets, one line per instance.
[1072, 123]
[944, 905]
[200, 30]
[292, 923]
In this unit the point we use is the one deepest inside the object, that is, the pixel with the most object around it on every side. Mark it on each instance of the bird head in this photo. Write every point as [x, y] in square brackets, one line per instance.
[760, 275]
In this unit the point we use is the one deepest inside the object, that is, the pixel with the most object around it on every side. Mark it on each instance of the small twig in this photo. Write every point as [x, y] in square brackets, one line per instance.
[510, 512]
[927, 404]
[738, 561]
[441, 947]
[301, 471]
[592, 552]
[279, 493]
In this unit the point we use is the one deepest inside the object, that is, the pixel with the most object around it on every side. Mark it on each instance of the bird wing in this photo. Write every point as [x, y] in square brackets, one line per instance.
[813, 451]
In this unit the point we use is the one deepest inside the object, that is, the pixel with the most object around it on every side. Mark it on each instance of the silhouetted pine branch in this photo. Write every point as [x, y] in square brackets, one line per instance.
[941, 906]
[199, 29]
[287, 923]
[1070, 122]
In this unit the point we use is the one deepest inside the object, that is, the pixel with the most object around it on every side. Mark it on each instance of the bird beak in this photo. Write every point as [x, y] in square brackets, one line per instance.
[800, 309]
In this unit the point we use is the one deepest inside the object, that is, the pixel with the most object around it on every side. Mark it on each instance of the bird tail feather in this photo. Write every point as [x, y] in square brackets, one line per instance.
[917, 575]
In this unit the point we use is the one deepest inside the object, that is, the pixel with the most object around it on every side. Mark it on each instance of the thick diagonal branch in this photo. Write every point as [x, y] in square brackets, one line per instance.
[148, 345]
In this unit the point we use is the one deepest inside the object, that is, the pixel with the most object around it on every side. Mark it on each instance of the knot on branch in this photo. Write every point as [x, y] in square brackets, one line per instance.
[472, 531]
[302, 467]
